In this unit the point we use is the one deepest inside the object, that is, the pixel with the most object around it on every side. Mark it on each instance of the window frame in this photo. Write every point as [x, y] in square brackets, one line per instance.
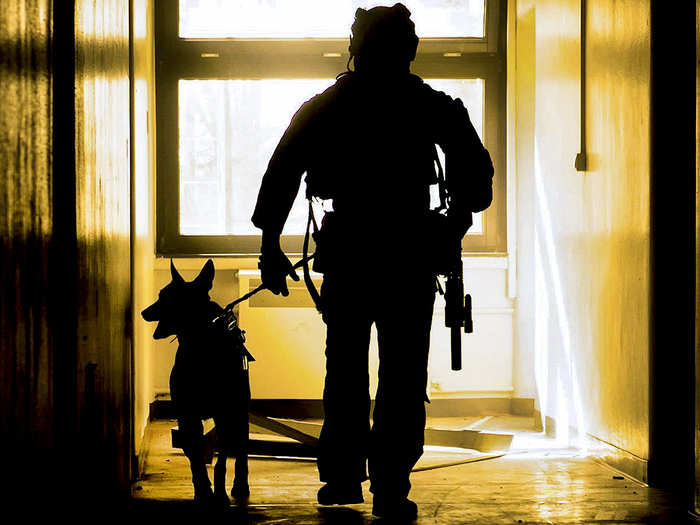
[232, 58]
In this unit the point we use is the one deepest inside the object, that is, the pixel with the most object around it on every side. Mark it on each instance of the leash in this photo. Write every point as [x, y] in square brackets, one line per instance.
[303, 262]
[230, 321]
[311, 230]
[228, 318]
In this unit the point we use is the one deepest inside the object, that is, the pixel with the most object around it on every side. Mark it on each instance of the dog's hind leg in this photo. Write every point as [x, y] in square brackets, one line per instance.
[220, 477]
[223, 440]
[240, 490]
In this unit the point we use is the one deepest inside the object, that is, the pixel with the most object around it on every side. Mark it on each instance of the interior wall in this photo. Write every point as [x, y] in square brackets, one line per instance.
[65, 308]
[522, 87]
[617, 189]
[26, 225]
[102, 202]
[142, 208]
[584, 236]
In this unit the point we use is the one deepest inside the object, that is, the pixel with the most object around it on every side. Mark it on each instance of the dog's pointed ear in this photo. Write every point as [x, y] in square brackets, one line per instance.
[206, 276]
[177, 278]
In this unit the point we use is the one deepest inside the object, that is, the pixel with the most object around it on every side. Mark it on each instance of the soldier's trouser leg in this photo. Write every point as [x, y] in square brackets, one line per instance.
[345, 433]
[397, 435]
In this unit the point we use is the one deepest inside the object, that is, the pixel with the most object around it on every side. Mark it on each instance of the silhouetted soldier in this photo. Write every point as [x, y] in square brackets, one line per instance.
[368, 143]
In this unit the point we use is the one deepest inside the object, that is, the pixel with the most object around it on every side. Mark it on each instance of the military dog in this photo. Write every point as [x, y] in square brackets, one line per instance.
[209, 379]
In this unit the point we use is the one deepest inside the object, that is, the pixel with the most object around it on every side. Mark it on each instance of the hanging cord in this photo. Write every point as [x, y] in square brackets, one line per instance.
[306, 258]
[299, 264]
[442, 184]
[444, 198]
[345, 73]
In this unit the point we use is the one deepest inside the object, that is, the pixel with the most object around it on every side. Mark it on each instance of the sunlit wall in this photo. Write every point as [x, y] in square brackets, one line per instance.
[142, 210]
[583, 237]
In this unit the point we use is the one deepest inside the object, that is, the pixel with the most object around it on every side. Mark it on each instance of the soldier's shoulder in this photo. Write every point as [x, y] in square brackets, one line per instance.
[319, 102]
[425, 90]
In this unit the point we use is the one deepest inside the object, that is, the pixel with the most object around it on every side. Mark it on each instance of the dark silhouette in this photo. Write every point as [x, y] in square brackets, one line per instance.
[368, 143]
[209, 379]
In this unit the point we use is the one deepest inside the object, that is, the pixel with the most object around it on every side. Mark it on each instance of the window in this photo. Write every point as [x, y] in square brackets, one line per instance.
[231, 73]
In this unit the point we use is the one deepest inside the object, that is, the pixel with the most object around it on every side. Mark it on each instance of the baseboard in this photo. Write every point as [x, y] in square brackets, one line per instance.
[480, 406]
[624, 461]
[544, 424]
[289, 408]
[313, 408]
[612, 455]
[143, 452]
[522, 406]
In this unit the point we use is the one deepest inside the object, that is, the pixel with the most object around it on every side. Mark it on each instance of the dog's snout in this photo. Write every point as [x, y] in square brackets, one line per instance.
[151, 313]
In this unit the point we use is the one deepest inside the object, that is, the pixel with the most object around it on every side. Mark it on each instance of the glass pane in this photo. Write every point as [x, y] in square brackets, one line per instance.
[228, 131]
[319, 18]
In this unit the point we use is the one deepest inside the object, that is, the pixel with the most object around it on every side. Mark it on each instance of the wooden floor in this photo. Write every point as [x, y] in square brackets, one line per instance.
[534, 483]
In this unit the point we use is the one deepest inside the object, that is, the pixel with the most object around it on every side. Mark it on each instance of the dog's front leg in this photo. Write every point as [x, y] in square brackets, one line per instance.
[193, 447]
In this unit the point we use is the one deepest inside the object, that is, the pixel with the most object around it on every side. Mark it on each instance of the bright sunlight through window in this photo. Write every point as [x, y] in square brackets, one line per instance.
[319, 18]
[228, 131]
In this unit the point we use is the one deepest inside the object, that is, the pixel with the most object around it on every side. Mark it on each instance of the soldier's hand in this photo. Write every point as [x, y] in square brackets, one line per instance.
[274, 269]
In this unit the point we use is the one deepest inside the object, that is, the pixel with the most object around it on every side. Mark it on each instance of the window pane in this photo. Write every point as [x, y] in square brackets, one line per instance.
[228, 131]
[319, 18]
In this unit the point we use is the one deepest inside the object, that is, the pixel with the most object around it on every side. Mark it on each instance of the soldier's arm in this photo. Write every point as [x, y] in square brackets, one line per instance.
[280, 183]
[469, 170]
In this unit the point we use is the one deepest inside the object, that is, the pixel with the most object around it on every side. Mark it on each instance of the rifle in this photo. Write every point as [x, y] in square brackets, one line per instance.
[458, 306]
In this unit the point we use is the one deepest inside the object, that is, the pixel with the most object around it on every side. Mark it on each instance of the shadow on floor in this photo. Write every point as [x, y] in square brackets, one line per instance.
[169, 512]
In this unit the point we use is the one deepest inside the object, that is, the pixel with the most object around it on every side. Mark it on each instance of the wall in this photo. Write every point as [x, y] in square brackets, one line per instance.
[102, 203]
[26, 225]
[618, 217]
[142, 208]
[521, 85]
[584, 236]
[65, 308]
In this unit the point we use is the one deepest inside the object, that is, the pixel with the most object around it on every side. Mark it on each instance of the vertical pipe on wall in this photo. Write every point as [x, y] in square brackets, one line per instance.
[581, 162]
[697, 260]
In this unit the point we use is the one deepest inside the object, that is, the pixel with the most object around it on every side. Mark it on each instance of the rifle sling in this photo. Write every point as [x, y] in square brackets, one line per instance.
[313, 292]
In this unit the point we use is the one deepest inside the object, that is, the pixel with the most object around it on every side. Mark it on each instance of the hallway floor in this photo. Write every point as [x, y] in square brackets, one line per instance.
[533, 483]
